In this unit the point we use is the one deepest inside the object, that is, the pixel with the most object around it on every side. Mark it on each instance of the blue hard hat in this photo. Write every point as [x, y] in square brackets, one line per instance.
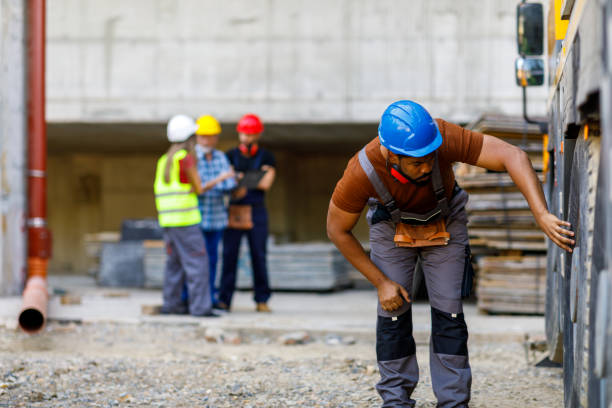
[407, 129]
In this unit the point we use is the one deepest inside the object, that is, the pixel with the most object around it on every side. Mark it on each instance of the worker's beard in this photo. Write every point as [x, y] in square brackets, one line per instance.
[424, 180]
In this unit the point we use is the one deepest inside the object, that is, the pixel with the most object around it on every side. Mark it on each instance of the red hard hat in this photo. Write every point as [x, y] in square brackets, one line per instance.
[249, 124]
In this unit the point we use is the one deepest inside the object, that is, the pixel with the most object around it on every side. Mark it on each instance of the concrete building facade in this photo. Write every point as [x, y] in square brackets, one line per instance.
[12, 146]
[296, 61]
[318, 72]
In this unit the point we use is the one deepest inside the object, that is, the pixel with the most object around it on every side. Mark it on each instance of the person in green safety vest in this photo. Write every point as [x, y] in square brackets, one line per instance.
[177, 185]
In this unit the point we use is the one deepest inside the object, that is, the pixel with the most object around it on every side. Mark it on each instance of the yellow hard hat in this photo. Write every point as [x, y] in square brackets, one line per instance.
[208, 126]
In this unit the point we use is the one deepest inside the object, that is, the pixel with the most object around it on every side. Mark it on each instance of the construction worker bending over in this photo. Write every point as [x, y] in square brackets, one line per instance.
[416, 210]
[177, 184]
[218, 180]
[247, 213]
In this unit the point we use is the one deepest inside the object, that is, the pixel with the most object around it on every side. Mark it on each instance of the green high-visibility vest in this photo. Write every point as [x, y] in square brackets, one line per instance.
[177, 205]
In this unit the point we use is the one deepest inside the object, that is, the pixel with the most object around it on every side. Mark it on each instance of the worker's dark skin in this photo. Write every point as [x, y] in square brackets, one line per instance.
[495, 155]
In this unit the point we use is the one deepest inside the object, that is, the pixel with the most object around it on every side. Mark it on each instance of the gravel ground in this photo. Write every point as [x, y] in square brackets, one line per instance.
[161, 365]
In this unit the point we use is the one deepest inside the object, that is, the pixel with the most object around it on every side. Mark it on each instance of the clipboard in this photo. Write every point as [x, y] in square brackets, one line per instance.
[251, 179]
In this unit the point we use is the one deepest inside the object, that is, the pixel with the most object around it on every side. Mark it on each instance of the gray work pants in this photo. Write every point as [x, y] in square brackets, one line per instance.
[187, 262]
[443, 268]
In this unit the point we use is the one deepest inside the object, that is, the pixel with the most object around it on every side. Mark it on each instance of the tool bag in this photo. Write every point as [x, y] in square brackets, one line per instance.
[432, 234]
[411, 229]
[240, 216]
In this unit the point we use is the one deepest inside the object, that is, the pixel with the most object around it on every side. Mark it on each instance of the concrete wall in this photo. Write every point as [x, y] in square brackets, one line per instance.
[12, 146]
[292, 61]
[92, 193]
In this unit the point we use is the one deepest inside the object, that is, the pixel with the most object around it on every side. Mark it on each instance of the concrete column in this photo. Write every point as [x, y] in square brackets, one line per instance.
[12, 146]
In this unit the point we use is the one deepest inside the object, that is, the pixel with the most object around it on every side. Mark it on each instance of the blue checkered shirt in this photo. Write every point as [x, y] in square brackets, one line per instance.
[212, 202]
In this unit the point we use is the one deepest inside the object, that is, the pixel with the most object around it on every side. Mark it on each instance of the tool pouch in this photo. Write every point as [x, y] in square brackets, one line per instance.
[240, 217]
[432, 234]
[377, 213]
[468, 274]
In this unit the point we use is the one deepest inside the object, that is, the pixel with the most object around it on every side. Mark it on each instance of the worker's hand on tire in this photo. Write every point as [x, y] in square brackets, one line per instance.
[392, 295]
[557, 230]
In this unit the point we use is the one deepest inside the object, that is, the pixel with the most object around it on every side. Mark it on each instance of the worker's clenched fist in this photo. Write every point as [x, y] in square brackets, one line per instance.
[392, 295]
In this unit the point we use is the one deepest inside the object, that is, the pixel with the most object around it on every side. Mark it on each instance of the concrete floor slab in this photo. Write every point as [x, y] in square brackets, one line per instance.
[344, 312]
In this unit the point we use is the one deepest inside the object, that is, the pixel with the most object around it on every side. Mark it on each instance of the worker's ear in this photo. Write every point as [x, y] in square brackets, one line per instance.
[393, 158]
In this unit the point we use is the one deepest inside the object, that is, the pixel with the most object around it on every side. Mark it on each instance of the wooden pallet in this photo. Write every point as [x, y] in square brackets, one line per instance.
[500, 223]
[512, 284]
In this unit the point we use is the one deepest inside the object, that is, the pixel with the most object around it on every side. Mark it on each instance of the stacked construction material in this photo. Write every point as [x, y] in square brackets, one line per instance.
[154, 263]
[92, 245]
[500, 225]
[311, 267]
[514, 284]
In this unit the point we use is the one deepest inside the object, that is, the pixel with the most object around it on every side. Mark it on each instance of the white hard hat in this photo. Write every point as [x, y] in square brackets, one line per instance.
[180, 127]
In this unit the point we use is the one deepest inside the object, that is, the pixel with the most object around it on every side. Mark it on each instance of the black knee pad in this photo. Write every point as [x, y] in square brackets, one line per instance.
[449, 334]
[394, 337]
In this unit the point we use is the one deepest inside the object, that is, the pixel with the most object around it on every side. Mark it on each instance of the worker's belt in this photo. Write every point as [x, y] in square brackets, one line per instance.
[431, 234]
[412, 229]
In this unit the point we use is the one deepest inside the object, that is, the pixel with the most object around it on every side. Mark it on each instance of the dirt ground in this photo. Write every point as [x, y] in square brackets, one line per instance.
[161, 365]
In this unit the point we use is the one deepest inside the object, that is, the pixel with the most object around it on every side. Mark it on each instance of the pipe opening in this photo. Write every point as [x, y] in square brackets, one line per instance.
[31, 320]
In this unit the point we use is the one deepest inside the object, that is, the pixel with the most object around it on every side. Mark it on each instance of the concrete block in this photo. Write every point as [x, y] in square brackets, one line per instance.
[70, 299]
[121, 265]
[150, 310]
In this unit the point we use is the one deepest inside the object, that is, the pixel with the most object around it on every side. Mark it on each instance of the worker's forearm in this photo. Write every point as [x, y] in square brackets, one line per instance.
[524, 176]
[266, 181]
[196, 186]
[210, 184]
[195, 181]
[352, 250]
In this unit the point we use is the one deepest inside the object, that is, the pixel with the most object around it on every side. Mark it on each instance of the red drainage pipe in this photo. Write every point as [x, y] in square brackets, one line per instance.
[35, 297]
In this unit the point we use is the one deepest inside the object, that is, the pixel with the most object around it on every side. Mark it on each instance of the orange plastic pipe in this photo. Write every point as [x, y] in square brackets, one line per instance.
[35, 297]
[33, 313]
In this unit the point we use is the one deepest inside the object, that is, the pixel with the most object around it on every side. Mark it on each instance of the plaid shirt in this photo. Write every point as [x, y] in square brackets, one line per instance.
[212, 203]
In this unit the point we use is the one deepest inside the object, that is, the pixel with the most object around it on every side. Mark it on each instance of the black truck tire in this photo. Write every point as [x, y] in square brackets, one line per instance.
[555, 259]
[600, 367]
[579, 273]
[554, 295]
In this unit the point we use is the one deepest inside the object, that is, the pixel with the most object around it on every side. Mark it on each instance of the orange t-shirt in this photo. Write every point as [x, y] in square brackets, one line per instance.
[354, 188]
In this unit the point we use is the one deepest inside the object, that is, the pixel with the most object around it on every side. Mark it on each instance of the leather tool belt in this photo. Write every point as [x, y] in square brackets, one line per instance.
[415, 236]
[240, 217]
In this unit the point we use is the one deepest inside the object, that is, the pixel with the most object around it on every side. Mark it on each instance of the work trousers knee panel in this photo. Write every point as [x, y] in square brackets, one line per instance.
[394, 338]
[449, 333]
